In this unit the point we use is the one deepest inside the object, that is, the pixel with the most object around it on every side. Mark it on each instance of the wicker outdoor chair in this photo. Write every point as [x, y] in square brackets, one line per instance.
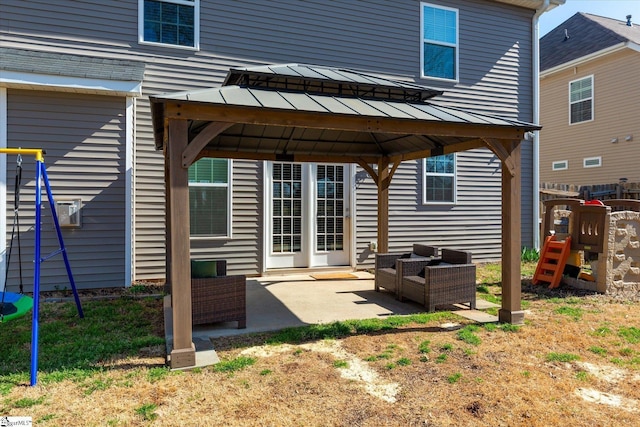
[451, 280]
[219, 299]
[386, 275]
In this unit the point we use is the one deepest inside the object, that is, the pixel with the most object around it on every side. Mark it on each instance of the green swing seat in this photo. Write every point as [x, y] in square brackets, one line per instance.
[14, 305]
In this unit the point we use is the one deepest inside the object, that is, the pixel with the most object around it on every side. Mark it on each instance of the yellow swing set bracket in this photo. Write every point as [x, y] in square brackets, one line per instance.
[37, 152]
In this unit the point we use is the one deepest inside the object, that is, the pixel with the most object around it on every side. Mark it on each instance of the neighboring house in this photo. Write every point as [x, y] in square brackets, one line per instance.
[75, 78]
[590, 101]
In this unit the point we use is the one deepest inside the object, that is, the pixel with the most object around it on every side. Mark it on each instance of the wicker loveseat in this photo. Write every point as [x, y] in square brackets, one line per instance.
[451, 280]
[220, 298]
[386, 266]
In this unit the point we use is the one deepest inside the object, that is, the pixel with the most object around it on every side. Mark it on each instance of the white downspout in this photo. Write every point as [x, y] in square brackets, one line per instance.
[3, 185]
[536, 120]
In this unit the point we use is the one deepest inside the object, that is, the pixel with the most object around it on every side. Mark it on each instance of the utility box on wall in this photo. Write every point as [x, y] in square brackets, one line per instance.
[69, 213]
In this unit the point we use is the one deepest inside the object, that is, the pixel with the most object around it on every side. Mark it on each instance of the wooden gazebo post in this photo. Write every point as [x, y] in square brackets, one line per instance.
[509, 152]
[383, 204]
[382, 178]
[183, 353]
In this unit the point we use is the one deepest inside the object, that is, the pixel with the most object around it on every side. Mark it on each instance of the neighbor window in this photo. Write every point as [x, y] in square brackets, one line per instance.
[440, 179]
[560, 165]
[592, 162]
[169, 22]
[439, 38]
[581, 100]
[210, 198]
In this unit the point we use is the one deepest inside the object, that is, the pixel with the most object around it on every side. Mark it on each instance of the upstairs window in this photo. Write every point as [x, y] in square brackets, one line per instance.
[210, 198]
[560, 165]
[439, 36]
[170, 22]
[592, 162]
[581, 100]
[440, 179]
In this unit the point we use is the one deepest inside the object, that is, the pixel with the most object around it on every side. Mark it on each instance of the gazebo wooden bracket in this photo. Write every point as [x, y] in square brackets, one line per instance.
[384, 182]
[197, 144]
[498, 148]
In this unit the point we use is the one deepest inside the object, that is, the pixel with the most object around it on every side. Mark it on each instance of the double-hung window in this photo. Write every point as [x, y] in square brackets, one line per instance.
[169, 22]
[439, 38]
[210, 198]
[581, 100]
[440, 179]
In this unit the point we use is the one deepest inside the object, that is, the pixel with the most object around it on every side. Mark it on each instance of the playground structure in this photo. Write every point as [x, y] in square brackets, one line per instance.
[41, 178]
[603, 239]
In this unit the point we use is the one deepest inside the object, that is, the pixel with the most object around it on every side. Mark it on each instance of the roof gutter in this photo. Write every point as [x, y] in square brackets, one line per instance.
[545, 6]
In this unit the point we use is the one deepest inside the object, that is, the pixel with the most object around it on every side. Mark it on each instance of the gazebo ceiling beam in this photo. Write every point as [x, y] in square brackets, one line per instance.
[447, 149]
[302, 158]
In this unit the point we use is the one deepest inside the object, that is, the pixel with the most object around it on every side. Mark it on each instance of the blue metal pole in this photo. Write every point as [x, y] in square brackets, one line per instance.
[36, 279]
[54, 214]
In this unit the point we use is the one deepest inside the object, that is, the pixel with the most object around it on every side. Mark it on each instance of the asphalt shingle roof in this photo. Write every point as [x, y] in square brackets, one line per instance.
[29, 61]
[581, 35]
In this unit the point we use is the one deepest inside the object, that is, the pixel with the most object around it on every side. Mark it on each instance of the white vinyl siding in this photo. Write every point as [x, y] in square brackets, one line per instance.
[439, 35]
[440, 179]
[592, 162]
[169, 22]
[210, 198]
[581, 100]
[560, 165]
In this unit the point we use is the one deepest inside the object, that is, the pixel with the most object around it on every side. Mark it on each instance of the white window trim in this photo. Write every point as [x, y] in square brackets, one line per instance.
[565, 164]
[455, 183]
[586, 159]
[229, 187]
[593, 94]
[196, 25]
[456, 46]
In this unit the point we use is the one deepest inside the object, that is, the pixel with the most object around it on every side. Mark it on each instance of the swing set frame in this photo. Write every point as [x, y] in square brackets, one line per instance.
[42, 178]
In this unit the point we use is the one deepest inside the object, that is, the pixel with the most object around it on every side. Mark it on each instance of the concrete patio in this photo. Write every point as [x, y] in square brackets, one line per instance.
[278, 302]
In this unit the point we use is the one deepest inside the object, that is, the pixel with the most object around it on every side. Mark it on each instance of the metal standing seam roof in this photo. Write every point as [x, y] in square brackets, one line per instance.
[298, 87]
[295, 88]
[294, 101]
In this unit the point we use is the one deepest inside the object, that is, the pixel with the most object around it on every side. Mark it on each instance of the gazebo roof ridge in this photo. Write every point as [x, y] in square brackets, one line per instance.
[316, 79]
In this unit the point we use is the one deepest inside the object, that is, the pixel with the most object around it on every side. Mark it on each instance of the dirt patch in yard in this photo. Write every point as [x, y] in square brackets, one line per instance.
[575, 362]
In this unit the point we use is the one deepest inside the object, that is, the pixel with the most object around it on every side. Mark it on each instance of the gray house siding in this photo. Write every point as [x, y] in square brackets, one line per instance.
[83, 137]
[379, 36]
[243, 249]
[473, 223]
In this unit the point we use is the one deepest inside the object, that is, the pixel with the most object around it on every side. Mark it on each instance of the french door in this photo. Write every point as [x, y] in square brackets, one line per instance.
[308, 215]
